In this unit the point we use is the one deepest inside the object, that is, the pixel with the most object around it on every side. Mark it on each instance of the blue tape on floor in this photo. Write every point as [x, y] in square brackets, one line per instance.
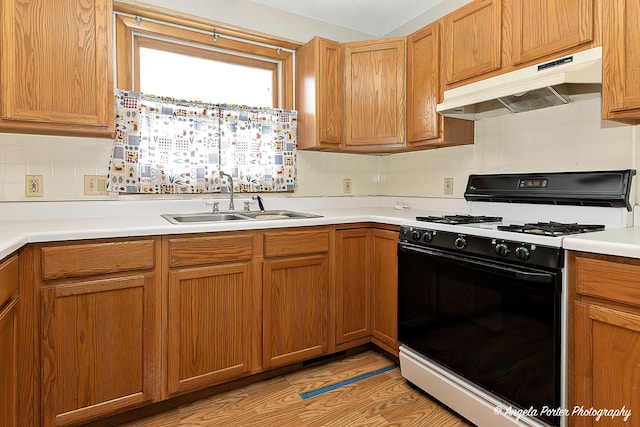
[326, 389]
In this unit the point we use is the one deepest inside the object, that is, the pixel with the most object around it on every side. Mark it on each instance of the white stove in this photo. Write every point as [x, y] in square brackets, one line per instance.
[482, 307]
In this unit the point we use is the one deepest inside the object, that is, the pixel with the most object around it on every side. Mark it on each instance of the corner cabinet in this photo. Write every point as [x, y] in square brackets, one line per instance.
[56, 67]
[425, 127]
[620, 61]
[9, 299]
[100, 334]
[211, 310]
[296, 296]
[320, 94]
[375, 94]
[604, 335]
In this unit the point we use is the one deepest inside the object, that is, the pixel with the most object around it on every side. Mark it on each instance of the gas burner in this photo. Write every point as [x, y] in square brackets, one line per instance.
[551, 228]
[459, 219]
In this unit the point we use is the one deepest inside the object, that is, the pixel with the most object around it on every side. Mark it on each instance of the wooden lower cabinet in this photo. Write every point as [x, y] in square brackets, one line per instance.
[384, 292]
[100, 343]
[353, 285]
[209, 326]
[604, 337]
[9, 300]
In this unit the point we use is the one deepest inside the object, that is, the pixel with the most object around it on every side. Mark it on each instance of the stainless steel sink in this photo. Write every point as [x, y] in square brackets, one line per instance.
[203, 217]
[279, 215]
[232, 216]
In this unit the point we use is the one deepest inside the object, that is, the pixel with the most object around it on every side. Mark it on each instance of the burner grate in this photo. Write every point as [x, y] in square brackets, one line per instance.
[459, 219]
[552, 228]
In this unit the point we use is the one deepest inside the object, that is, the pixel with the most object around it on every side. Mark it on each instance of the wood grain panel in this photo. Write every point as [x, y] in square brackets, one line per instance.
[85, 259]
[320, 94]
[296, 309]
[99, 352]
[299, 242]
[607, 279]
[353, 285]
[187, 251]
[423, 84]
[8, 279]
[209, 313]
[472, 40]
[375, 92]
[8, 365]
[544, 27]
[620, 61]
[384, 304]
[52, 83]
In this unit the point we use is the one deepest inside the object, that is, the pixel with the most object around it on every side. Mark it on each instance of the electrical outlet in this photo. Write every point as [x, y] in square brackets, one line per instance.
[346, 185]
[33, 186]
[448, 186]
[95, 185]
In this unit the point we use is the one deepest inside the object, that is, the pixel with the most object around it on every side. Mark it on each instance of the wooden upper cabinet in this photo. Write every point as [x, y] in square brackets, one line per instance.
[425, 127]
[472, 40]
[56, 67]
[375, 93]
[543, 27]
[320, 94]
[620, 61]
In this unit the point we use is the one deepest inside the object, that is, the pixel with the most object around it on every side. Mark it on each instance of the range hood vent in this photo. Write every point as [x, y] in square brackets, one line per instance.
[567, 79]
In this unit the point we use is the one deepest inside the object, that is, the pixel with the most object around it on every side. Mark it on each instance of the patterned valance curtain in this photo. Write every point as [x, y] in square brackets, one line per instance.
[166, 146]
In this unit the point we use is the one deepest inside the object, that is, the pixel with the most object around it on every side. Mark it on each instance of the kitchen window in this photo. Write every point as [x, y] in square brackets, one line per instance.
[213, 73]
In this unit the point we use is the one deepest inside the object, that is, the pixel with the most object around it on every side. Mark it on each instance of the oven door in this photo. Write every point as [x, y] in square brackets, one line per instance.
[495, 324]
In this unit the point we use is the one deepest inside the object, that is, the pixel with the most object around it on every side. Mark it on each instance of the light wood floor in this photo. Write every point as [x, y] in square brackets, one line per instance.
[383, 399]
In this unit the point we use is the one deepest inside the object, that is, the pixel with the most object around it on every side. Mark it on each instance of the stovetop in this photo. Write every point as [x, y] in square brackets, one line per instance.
[459, 219]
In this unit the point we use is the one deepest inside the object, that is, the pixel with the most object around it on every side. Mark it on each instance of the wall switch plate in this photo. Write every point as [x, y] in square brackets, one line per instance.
[448, 186]
[346, 185]
[33, 186]
[95, 185]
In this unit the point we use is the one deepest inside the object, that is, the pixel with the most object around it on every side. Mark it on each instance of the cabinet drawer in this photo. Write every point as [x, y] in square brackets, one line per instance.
[296, 242]
[211, 249]
[96, 258]
[617, 281]
[8, 279]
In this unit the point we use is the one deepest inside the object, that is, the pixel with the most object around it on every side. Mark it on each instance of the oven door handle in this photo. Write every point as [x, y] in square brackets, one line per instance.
[515, 272]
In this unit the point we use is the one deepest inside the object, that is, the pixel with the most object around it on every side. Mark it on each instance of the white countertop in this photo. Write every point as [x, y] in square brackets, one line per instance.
[622, 242]
[24, 223]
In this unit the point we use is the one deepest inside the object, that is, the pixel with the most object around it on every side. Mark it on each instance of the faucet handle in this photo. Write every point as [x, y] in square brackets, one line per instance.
[215, 206]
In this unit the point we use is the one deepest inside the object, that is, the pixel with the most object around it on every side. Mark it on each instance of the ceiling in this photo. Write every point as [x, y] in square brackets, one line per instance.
[375, 17]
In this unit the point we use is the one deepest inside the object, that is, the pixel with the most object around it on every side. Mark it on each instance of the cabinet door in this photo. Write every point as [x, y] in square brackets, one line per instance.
[423, 84]
[620, 60]
[296, 309]
[605, 370]
[384, 319]
[353, 285]
[8, 365]
[56, 72]
[544, 27]
[209, 321]
[375, 92]
[100, 352]
[320, 94]
[472, 40]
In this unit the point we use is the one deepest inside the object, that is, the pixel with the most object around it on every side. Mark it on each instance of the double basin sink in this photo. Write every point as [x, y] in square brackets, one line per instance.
[235, 216]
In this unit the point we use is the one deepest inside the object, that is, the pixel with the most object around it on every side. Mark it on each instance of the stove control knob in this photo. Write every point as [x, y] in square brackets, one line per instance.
[428, 237]
[416, 235]
[502, 249]
[523, 253]
[460, 242]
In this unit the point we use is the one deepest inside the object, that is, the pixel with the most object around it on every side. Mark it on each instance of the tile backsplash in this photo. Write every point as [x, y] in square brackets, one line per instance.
[568, 137]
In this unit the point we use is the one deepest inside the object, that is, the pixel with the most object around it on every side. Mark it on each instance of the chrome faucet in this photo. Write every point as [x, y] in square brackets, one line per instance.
[230, 186]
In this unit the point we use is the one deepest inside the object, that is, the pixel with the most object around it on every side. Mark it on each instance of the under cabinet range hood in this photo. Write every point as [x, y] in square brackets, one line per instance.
[566, 79]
